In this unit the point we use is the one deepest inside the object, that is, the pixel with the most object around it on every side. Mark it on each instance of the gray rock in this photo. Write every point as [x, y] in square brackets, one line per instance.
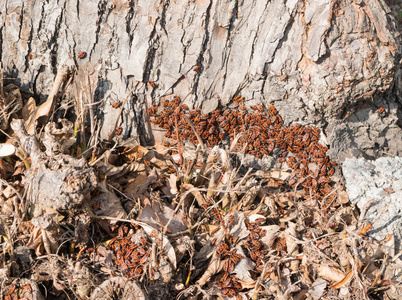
[379, 180]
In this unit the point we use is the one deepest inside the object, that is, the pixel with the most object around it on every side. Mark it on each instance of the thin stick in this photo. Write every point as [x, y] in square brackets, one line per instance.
[121, 111]
[178, 142]
[195, 132]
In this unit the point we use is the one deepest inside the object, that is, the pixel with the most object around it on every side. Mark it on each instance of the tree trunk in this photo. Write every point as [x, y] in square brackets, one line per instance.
[318, 60]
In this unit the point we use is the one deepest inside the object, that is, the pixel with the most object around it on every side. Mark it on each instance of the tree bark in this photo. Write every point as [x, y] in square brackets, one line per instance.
[314, 59]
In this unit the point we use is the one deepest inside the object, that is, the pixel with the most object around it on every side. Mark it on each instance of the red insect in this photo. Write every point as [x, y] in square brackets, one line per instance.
[230, 219]
[152, 84]
[231, 293]
[228, 266]
[30, 56]
[11, 289]
[260, 221]
[96, 206]
[283, 77]
[233, 240]
[246, 208]
[196, 68]
[118, 130]
[82, 55]
[143, 241]
[222, 249]
[381, 111]
[116, 104]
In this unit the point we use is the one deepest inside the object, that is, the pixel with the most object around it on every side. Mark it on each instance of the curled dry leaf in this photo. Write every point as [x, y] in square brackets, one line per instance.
[129, 290]
[329, 272]
[291, 243]
[344, 281]
[317, 288]
[159, 214]
[166, 245]
[277, 174]
[109, 204]
[243, 268]
[213, 268]
[171, 184]
[31, 113]
[44, 238]
[272, 233]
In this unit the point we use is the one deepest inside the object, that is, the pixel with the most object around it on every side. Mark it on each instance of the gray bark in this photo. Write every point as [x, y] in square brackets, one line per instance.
[335, 55]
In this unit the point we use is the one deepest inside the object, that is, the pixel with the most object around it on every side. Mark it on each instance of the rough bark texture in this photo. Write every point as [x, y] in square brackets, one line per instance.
[335, 55]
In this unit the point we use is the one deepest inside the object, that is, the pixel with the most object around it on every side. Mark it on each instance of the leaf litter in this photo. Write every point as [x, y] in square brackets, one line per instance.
[83, 218]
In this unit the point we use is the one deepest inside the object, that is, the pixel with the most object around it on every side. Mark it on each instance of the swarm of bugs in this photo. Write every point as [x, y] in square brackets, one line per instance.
[130, 257]
[264, 133]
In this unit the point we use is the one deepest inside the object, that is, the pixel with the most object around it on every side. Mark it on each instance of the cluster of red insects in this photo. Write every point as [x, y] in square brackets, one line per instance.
[264, 133]
[11, 295]
[253, 244]
[229, 284]
[130, 257]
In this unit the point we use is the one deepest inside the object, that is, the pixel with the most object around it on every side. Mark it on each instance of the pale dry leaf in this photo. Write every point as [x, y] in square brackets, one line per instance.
[272, 233]
[110, 205]
[276, 174]
[171, 183]
[31, 113]
[213, 268]
[329, 272]
[158, 214]
[167, 246]
[243, 268]
[6, 150]
[129, 290]
[291, 243]
[317, 288]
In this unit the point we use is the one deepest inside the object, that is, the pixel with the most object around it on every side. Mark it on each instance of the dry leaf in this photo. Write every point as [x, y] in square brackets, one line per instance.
[167, 246]
[344, 281]
[158, 214]
[110, 204]
[214, 267]
[31, 113]
[317, 288]
[276, 174]
[271, 235]
[330, 273]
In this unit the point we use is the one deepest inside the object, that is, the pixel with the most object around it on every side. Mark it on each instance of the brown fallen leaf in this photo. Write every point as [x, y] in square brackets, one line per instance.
[330, 273]
[344, 281]
[31, 113]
